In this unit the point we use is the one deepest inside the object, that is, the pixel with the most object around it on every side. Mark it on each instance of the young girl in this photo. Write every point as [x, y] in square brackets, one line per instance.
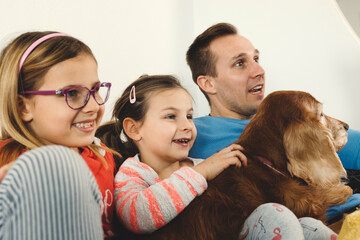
[153, 129]
[154, 117]
[50, 94]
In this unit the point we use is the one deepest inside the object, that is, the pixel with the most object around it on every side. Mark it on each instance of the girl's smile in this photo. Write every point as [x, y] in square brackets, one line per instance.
[184, 142]
[85, 126]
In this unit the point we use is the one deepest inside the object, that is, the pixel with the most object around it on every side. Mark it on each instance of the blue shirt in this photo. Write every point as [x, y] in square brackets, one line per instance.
[216, 133]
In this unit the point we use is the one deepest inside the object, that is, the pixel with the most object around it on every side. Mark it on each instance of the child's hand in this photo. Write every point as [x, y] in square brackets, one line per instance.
[214, 165]
[4, 169]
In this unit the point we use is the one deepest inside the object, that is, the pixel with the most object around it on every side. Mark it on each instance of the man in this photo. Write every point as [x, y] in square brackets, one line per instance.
[225, 66]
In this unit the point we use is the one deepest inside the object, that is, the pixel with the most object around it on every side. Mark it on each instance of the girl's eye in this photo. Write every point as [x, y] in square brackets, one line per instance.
[72, 93]
[189, 116]
[171, 116]
[239, 63]
[256, 59]
[97, 88]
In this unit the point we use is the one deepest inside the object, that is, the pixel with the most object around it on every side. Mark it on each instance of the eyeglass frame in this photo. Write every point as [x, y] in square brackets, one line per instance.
[66, 90]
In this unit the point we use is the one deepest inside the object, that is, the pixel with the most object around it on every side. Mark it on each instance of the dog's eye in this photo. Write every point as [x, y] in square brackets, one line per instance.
[321, 114]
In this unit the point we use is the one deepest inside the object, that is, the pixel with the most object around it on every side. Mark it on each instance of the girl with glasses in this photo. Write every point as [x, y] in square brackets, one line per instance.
[51, 103]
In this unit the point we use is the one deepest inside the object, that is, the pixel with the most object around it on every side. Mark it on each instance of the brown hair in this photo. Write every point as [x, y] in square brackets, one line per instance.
[111, 133]
[17, 135]
[199, 57]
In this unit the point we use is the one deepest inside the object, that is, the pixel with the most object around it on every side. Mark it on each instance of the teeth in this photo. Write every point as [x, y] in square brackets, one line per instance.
[84, 125]
[256, 89]
[183, 140]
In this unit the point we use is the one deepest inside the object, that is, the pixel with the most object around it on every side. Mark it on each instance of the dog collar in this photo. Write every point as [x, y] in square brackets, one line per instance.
[270, 165]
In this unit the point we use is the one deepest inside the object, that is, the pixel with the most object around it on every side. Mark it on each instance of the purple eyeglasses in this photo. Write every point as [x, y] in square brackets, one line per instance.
[78, 96]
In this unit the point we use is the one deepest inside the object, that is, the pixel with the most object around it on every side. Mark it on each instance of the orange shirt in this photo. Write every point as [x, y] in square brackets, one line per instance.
[105, 181]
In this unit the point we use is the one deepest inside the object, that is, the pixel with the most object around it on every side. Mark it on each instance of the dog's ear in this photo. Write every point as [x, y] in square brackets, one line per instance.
[311, 154]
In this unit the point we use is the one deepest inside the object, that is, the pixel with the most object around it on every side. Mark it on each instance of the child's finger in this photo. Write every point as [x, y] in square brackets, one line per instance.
[241, 157]
[238, 154]
[237, 147]
[225, 150]
[230, 148]
[237, 150]
[231, 160]
[237, 162]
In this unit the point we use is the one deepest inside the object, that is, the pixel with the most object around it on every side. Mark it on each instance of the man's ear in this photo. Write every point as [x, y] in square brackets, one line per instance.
[25, 110]
[132, 129]
[206, 83]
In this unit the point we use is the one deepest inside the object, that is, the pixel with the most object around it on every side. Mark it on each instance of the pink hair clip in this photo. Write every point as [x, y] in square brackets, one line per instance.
[35, 44]
[132, 95]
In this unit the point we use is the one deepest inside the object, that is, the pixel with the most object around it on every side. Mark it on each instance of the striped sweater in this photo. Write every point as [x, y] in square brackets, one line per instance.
[104, 178]
[144, 203]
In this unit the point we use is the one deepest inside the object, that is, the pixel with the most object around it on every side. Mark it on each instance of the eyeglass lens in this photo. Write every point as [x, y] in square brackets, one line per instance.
[77, 97]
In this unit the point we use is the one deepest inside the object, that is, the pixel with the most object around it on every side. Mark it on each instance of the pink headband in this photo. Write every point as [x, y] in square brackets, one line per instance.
[35, 44]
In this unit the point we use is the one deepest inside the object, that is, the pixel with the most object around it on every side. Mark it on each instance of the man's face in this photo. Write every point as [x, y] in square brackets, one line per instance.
[240, 82]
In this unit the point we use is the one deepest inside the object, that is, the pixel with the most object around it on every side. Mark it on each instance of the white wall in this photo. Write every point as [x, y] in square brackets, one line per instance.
[304, 44]
[351, 10]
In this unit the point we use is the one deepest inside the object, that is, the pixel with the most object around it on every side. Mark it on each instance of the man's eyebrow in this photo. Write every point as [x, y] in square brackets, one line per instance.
[238, 56]
[244, 54]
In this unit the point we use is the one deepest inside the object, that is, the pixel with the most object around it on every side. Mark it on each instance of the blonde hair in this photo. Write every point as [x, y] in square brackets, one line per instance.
[50, 52]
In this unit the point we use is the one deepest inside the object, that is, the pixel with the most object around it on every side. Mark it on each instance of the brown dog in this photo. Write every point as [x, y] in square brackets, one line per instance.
[291, 148]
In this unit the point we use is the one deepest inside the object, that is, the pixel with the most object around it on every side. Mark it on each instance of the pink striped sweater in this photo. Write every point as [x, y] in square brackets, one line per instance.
[144, 203]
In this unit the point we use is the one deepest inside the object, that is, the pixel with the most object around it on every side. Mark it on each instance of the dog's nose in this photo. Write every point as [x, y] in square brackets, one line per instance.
[346, 126]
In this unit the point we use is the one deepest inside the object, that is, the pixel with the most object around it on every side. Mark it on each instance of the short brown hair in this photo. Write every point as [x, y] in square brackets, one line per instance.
[199, 57]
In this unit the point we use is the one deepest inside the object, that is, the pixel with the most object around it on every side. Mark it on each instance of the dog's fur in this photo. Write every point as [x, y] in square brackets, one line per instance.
[291, 131]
